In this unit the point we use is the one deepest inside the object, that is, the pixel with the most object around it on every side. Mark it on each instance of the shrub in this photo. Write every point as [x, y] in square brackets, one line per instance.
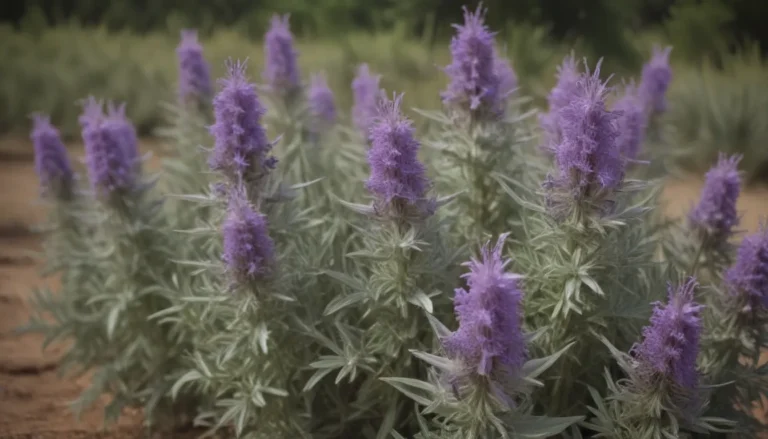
[295, 289]
[723, 109]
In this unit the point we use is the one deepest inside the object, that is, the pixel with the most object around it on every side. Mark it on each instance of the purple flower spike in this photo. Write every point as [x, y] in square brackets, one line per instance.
[561, 95]
[51, 160]
[111, 165]
[671, 343]
[194, 73]
[656, 76]
[125, 131]
[567, 86]
[716, 214]
[632, 122]
[506, 76]
[749, 275]
[396, 173]
[321, 102]
[240, 140]
[587, 153]
[366, 91]
[248, 249]
[281, 72]
[474, 82]
[489, 340]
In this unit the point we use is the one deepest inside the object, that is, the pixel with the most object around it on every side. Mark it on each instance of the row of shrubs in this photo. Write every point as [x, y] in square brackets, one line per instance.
[497, 275]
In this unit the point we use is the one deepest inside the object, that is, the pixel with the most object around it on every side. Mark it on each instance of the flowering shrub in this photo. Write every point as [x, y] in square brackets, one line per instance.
[291, 276]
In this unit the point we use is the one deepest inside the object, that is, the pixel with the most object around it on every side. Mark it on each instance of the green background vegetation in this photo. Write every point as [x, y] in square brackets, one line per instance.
[56, 52]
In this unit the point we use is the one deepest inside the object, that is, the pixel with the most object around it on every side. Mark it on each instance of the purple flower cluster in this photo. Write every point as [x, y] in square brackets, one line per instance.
[248, 249]
[366, 92]
[241, 145]
[111, 151]
[559, 97]
[671, 343]
[396, 173]
[126, 131]
[632, 122]
[281, 71]
[194, 73]
[506, 76]
[322, 104]
[749, 275]
[587, 153]
[716, 215]
[489, 341]
[568, 77]
[475, 85]
[655, 80]
[51, 160]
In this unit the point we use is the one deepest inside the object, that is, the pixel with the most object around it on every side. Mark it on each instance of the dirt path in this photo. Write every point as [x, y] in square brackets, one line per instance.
[33, 399]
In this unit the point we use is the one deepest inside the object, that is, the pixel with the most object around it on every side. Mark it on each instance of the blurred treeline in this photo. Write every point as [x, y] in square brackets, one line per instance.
[56, 52]
[602, 24]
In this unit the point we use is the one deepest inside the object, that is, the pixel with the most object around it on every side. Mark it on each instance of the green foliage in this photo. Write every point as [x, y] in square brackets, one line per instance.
[697, 28]
[723, 109]
[342, 339]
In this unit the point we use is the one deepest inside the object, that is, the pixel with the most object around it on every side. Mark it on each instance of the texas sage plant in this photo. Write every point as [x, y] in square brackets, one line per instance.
[298, 272]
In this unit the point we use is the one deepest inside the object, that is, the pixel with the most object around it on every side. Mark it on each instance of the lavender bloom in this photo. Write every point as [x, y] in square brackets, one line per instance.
[110, 166]
[506, 76]
[656, 76]
[489, 340]
[281, 71]
[366, 91]
[749, 275]
[587, 153]
[240, 140]
[125, 131]
[716, 215]
[474, 82]
[248, 249]
[632, 123]
[560, 96]
[194, 74]
[671, 343]
[396, 173]
[321, 102]
[51, 160]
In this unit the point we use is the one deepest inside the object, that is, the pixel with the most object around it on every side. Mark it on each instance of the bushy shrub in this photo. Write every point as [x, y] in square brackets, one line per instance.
[276, 284]
[723, 109]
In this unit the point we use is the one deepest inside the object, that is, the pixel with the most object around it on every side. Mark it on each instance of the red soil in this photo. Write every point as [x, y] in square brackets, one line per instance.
[33, 398]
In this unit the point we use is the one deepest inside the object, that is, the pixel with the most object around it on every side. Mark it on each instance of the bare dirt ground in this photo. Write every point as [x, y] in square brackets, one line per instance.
[33, 398]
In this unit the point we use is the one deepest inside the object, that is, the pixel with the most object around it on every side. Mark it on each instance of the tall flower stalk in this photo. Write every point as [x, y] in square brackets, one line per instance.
[481, 135]
[195, 87]
[246, 296]
[392, 280]
[590, 236]
[661, 395]
[128, 267]
[701, 244]
[735, 338]
[480, 386]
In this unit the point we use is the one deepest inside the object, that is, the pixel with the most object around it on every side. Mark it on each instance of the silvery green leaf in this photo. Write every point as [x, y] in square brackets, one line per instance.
[343, 301]
[440, 330]
[540, 427]
[422, 301]
[409, 387]
[114, 313]
[534, 368]
[346, 280]
[190, 376]
[365, 209]
[315, 378]
[441, 363]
